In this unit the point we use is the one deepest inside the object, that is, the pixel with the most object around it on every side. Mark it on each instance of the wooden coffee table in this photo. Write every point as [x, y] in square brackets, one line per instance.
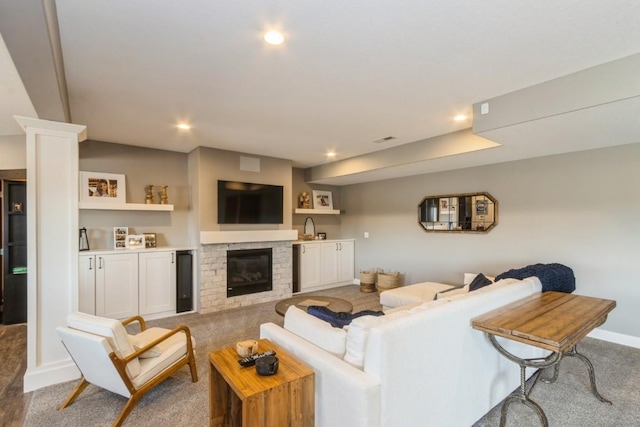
[554, 321]
[238, 396]
[334, 304]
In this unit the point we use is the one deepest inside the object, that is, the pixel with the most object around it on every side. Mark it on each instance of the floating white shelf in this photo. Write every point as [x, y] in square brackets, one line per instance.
[317, 211]
[124, 206]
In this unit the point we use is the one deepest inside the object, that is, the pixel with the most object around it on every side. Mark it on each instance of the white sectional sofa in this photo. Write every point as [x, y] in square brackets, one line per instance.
[418, 365]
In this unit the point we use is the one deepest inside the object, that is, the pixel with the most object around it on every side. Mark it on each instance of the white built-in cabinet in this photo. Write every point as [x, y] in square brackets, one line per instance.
[310, 266]
[87, 284]
[124, 284]
[156, 282]
[325, 264]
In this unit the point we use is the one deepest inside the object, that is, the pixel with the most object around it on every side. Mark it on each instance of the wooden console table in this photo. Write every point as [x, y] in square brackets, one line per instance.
[240, 397]
[554, 321]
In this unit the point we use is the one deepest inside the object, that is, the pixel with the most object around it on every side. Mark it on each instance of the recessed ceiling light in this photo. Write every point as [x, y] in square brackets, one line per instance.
[460, 118]
[274, 37]
[184, 126]
[331, 154]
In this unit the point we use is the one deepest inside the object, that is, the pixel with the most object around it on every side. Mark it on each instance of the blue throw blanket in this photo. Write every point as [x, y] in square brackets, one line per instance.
[554, 277]
[336, 319]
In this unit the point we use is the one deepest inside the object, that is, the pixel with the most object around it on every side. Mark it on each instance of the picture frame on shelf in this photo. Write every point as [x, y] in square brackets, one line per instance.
[322, 200]
[150, 240]
[102, 187]
[322, 236]
[120, 237]
[135, 241]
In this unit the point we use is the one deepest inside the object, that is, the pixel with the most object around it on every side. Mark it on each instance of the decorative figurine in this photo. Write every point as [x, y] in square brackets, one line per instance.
[304, 200]
[164, 199]
[149, 198]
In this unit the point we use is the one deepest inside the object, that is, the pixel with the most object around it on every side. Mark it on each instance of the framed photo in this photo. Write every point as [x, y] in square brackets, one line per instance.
[322, 236]
[149, 240]
[120, 237]
[322, 200]
[482, 207]
[445, 206]
[102, 187]
[135, 241]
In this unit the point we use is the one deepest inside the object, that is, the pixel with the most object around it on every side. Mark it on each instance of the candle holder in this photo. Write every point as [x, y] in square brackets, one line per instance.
[149, 197]
[164, 198]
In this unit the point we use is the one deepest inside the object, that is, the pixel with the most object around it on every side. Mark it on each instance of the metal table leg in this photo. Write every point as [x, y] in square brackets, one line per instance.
[523, 397]
[592, 376]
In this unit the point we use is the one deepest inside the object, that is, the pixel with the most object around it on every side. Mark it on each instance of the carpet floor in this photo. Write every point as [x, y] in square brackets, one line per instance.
[179, 402]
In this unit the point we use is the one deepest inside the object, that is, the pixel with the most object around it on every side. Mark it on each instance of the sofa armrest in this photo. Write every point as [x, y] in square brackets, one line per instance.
[344, 395]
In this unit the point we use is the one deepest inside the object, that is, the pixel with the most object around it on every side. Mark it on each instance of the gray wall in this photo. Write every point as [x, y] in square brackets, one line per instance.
[579, 209]
[329, 224]
[141, 167]
[212, 165]
[13, 152]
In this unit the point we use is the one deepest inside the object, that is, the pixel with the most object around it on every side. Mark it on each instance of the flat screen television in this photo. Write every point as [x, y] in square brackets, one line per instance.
[248, 203]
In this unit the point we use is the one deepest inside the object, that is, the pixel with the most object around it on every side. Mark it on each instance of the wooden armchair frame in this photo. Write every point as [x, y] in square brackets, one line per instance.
[121, 363]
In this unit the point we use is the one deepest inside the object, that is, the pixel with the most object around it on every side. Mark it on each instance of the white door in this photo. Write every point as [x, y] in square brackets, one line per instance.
[157, 282]
[87, 284]
[117, 285]
[309, 266]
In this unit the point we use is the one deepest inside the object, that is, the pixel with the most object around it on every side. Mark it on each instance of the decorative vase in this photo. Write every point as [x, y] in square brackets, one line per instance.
[164, 199]
[149, 198]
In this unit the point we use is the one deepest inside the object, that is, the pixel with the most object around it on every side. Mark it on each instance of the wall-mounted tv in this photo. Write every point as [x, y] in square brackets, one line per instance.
[248, 203]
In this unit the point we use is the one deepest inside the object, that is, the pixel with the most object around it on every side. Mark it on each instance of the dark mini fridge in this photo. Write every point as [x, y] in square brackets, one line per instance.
[184, 282]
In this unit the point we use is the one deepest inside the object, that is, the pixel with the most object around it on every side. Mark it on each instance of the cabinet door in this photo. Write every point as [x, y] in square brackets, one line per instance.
[329, 257]
[309, 266]
[157, 282]
[117, 285]
[87, 284]
[346, 257]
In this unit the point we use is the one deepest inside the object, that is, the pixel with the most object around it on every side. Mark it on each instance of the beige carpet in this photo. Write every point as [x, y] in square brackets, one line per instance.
[179, 402]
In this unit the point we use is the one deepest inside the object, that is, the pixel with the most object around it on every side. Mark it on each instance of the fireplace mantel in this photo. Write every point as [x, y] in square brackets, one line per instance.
[246, 236]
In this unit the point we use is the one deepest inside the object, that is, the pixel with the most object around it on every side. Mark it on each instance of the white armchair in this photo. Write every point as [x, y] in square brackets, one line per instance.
[129, 365]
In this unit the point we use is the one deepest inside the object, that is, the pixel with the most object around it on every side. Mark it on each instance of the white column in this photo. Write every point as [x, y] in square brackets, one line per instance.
[52, 240]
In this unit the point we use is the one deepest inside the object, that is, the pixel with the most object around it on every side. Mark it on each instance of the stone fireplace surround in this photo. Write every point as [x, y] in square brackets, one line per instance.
[213, 266]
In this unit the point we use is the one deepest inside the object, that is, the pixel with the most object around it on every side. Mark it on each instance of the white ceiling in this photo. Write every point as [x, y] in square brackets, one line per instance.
[349, 72]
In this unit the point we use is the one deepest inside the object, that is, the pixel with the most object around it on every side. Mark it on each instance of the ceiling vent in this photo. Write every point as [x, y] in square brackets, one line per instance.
[385, 139]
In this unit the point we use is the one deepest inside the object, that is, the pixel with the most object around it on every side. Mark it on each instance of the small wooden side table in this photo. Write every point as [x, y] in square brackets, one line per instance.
[554, 321]
[238, 396]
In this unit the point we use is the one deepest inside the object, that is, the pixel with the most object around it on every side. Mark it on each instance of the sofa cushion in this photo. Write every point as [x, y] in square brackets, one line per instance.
[468, 278]
[316, 331]
[358, 334]
[480, 281]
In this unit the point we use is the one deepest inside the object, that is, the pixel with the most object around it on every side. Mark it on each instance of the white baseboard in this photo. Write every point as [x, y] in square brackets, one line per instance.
[36, 378]
[615, 338]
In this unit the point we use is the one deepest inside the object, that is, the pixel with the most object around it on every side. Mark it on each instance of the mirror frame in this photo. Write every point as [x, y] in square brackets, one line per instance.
[449, 196]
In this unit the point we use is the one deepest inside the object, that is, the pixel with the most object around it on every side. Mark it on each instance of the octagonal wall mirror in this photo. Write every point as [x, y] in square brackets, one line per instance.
[458, 213]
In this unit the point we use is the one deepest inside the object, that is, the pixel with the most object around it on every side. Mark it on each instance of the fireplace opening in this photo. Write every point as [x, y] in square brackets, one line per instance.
[249, 271]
